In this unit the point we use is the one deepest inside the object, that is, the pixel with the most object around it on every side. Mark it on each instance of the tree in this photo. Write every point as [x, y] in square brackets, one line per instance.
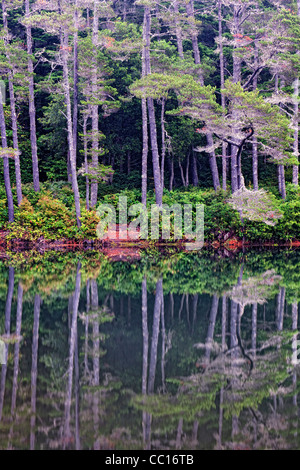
[9, 52]
[62, 24]
[32, 112]
[5, 153]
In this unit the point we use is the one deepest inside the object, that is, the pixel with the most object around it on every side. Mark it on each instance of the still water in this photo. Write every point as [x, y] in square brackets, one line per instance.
[154, 351]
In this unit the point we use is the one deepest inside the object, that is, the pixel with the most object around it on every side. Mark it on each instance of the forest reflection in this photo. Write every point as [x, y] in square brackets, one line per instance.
[87, 367]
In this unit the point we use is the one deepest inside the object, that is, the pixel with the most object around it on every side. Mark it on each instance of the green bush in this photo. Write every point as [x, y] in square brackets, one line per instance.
[50, 219]
[50, 214]
[3, 212]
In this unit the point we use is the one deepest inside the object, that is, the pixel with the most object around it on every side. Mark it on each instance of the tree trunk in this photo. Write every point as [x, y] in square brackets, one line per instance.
[72, 346]
[197, 60]
[195, 170]
[32, 113]
[222, 75]
[75, 72]
[144, 152]
[255, 144]
[235, 170]
[178, 31]
[34, 367]
[281, 171]
[163, 143]
[145, 335]
[280, 308]
[296, 131]
[171, 168]
[181, 173]
[7, 183]
[13, 108]
[128, 162]
[64, 49]
[155, 334]
[17, 348]
[254, 329]
[151, 111]
[94, 106]
[86, 167]
[187, 169]
[211, 327]
[7, 323]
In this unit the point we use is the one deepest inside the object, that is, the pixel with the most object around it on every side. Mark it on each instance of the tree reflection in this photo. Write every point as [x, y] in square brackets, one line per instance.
[204, 370]
[34, 367]
[67, 435]
[7, 318]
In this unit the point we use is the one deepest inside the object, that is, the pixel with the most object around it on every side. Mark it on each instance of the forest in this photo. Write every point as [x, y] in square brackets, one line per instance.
[178, 101]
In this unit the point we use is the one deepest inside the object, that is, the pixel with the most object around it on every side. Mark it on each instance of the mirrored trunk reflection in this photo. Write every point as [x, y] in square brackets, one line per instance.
[93, 364]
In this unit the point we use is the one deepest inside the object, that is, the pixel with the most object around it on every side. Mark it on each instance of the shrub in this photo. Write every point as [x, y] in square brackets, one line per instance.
[89, 221]
[50, 219]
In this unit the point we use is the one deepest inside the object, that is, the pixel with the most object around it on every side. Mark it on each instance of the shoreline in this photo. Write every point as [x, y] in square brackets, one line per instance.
[232, 244]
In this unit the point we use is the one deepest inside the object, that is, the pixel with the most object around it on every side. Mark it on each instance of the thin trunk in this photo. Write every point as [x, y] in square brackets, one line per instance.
[146, 423]
[295, 356]
[34, 367]
[32, 113]
[155, 153]
[12, 108]
[222, 75]
[178, 31]
[296, 131]
[197, 60]
[181, 173]
[163, 347]
[128, 162]
[72, 345]
[280, 308]
[254, 329]
[283, 187]
[69, 170]
[7, 183]
[171, 166]
[187, 170]
[281, 171]
[195, 170]
[233, 329]
[96, 333]
[211, 327]
[195, 306]
[94, 106]
[145, 152]
[163, 142]
[155, 334]
[235, 169]
[145, 335]
[86, 167]
[75, 72]
[151, 110]
[255, 143]
[7, 321]
[171, 303]
[64, 48]
[17, 348]
[224, 321]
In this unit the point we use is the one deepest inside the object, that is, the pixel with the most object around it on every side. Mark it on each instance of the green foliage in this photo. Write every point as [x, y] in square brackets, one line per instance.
[51, 220]
[89, 221]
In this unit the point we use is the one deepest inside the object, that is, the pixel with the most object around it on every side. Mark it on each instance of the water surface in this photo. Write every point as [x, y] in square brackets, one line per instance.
[158, 351]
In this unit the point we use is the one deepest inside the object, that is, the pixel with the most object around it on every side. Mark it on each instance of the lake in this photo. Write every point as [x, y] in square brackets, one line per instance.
[131, 350]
